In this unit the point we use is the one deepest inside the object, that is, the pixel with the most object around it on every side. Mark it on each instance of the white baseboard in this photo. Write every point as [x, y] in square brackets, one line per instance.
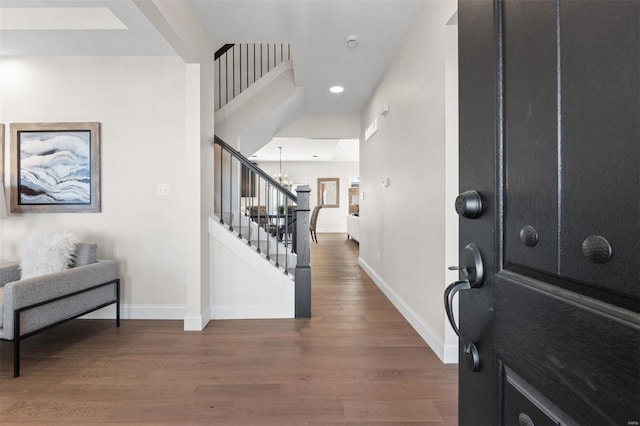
[154, 312]
[426, 332]
[197, 322]
[250, 312]
[150, 312]
[451, 353]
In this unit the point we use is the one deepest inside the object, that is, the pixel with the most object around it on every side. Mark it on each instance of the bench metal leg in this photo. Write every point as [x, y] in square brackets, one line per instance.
[118, 302]
[16, 344]
[16, 319]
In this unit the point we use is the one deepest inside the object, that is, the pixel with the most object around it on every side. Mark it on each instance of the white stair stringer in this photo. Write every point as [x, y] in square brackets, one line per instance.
[244, 285]
[252, 118]
[263, 242]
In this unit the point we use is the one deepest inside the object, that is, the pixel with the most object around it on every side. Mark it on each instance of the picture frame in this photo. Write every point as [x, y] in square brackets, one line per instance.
[55, 167]
[329, 192]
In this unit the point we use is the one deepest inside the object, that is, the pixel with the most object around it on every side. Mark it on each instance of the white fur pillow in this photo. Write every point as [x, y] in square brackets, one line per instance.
[45, 253]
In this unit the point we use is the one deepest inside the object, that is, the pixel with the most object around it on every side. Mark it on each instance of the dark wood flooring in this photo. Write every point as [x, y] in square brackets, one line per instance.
[357, 361]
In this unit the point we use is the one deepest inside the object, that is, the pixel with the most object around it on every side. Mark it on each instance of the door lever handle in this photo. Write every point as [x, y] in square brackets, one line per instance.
[459, 268]
[470, 348]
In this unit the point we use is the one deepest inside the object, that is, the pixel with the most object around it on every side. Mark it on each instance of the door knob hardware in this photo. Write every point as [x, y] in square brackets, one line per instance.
[471, 265]
[459, 268]
[470, 348]
[529, 236]
[597, 249]
[472, 268]
[469, 204]
[525, 420]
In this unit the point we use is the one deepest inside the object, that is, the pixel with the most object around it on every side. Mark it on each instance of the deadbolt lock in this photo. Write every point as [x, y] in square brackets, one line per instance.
[469, 204]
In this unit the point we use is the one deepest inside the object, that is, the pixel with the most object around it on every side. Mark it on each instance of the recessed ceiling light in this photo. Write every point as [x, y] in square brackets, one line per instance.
[315, 156]
[336, 89]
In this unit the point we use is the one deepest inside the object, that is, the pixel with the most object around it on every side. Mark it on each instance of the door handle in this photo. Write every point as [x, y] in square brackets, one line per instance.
[472, 268]
[470, 348]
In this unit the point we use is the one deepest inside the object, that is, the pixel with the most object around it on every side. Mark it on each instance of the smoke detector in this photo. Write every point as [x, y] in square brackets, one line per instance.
[351, 41]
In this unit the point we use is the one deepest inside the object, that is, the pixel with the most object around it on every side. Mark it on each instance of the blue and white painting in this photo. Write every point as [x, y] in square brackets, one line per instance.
[55, 167]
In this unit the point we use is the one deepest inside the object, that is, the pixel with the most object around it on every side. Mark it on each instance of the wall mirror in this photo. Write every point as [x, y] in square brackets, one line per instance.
[329, 192]
[354, 195]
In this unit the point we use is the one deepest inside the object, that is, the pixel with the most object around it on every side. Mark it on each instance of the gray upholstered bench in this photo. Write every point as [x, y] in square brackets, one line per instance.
[35, 304]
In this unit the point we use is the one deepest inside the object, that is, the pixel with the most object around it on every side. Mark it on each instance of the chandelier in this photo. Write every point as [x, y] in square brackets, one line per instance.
[282, 179]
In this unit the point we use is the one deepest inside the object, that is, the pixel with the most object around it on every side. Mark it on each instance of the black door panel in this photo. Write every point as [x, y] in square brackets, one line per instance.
[601, 141]
[525, 405]
[586, 362]
[530, 70]
[550, 138]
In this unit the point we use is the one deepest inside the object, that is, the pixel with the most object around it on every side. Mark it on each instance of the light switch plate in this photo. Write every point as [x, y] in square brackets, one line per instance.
[163, 189]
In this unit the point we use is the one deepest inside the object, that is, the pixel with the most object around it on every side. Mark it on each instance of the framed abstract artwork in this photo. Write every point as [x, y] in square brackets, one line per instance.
[55, 167]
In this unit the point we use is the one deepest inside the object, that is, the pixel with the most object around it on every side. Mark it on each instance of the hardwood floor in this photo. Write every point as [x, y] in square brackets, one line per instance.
[357, 361]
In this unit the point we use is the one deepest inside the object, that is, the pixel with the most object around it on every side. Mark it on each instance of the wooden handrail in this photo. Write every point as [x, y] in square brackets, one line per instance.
[222, 50]
[248, 164]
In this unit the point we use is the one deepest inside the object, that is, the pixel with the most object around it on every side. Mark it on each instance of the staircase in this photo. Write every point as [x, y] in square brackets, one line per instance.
[256, 95]
[261, 230]
[240, 65]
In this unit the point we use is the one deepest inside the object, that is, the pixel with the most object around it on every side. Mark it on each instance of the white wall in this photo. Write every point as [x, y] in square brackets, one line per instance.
[323, 126]
[178, 23]
[329, 219]
[403, 226]
[140, 103]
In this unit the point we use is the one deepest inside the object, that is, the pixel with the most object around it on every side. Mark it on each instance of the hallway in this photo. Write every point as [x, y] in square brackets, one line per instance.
[356, 361]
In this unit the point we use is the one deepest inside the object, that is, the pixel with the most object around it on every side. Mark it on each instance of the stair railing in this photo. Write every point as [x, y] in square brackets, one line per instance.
[268, 215]
[240, 65]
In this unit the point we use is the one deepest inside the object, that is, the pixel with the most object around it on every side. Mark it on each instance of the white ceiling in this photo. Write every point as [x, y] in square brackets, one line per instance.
[316, 29]
[301, 149]
[139, 37]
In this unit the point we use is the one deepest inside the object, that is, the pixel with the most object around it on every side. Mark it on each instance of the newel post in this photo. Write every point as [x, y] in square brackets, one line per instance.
[303, 271]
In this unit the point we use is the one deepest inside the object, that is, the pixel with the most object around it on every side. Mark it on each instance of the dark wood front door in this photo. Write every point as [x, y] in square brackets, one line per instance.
[550, 140]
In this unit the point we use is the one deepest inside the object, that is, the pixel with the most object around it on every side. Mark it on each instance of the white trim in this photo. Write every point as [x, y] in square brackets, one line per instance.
[426, 332]
[206, 317]
[451, 352]
[197, 322]
[135, 312]
[247, 312]
[254, 259]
